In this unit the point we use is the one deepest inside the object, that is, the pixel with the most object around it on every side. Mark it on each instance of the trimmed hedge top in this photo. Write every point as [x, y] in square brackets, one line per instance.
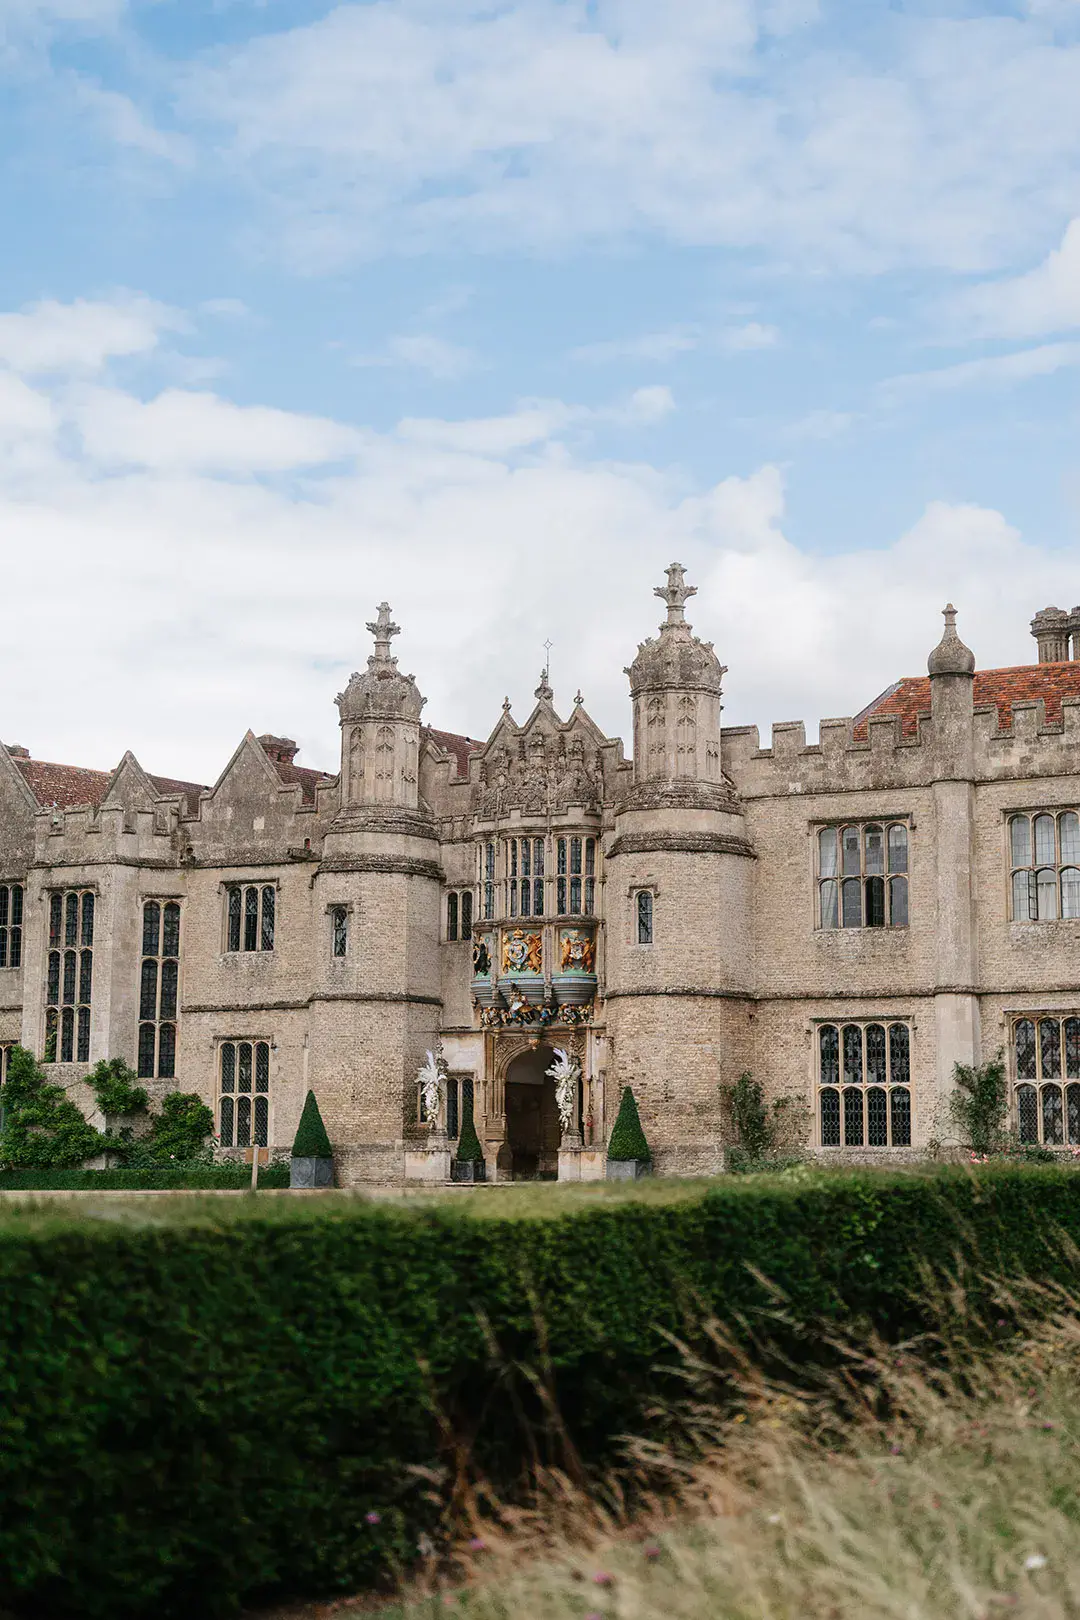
[627, 1137]
[311, 1141]
[236, 1401]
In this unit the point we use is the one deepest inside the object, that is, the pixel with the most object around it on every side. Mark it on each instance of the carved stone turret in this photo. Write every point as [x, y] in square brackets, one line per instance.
[675, 686]
[380, 728]
[1052, 628]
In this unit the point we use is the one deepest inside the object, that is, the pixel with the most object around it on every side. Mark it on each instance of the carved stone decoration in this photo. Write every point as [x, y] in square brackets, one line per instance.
[429, 1079]
[577, 951]
[522, 952]
[566, 1073]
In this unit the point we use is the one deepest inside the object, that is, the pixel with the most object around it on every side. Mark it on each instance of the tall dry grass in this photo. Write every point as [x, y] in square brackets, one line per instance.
[937, 1481]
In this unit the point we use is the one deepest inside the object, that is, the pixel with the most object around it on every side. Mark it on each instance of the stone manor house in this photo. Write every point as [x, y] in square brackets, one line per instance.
[844, 919]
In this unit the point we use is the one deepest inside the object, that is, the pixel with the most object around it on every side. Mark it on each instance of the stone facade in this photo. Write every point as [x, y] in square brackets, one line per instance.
[845, 920]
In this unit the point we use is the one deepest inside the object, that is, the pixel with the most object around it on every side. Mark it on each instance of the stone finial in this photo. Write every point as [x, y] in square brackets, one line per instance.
[578, 699]
[950, 656]
[675, 593]
[1051, 628]
[383, 629]
[544, 689]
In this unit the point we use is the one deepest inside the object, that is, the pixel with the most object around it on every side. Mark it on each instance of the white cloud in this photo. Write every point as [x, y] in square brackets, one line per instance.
[198, 430]
[649, 404]
[658, 346]
[540, 123]
[999, 370]
[82, 336]
[424, 352]
[1046, 299]
[751, 336]
[823, 424]
[249, 598]
[124, 124]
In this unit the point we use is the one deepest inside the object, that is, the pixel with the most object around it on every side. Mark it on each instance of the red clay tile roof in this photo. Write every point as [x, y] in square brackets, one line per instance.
[307, 779]
[66, 785]
[459, 748]
[1024, 683]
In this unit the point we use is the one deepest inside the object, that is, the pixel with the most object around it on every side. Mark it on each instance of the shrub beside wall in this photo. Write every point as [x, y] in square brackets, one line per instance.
[147, 1178]
[225, 1404]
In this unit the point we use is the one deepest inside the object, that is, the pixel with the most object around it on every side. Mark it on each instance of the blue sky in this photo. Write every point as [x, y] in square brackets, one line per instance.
[495, 309]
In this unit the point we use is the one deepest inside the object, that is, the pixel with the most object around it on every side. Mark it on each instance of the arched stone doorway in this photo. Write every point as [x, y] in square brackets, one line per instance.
[532, 1117]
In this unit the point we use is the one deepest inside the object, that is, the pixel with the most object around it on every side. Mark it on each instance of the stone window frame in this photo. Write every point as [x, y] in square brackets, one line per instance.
[12, 906]
[1044, 1105]
[343, 909]
[566, 886]
[454, 1105]
[226, 1096]
[67, 1016]
[895, 880]
[244, 886]
[1033, 880]
[836, 1085]
[6, 1049]
[159, 1027]
[634, 892]
[459, 919]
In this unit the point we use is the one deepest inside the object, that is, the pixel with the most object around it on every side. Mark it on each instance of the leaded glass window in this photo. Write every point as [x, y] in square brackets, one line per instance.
[1046, 1064]
[69, 976]
[339, 930]
[159, 988]
[244, 1094]
[250, 914]
[575, 876]
[11, 925]
[1044, 860]
[864, 1084]
[862, 875]
[459, 914]
[644, 908]
[525, 874]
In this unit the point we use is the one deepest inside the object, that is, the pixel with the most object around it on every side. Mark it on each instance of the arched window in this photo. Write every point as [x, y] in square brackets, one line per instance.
[159, 989]
[69, 976]
[644, 910]
[1044, 858]
[864, 1084]
[1046, 1052]
[862, 875]
[250, 917]
[11, 925]
[244, 1094]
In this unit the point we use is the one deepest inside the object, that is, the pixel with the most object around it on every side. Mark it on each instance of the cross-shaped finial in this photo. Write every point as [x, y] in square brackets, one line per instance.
[382, 630]
[675, 593]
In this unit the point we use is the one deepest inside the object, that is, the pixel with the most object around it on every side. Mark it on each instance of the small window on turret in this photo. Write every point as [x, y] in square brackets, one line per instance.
[644, 917]
[339, 930]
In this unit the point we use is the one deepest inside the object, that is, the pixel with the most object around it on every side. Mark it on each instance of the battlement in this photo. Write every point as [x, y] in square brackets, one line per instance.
[890, 751]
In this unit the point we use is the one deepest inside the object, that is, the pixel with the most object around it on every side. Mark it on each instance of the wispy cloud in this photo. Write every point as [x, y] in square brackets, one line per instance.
[1000, 370]
[424, 352]
[81, 336]
[754, 335]
[657, 346]
[1046, 299]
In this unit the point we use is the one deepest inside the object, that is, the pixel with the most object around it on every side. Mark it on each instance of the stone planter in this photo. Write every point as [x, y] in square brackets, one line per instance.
[311, 1172]
[574, 989]
[627, 1169]
[468, 1170]
[530, 987]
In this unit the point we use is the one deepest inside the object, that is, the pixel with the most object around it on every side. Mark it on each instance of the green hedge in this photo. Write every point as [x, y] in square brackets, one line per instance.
[151, 1178]
[224, 1402]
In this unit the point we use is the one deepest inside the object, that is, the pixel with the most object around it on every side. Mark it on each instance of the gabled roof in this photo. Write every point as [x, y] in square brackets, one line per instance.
[458, 747]
[1001, 688]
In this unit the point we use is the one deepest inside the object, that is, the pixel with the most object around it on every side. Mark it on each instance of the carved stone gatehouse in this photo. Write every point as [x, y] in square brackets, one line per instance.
[845, 920]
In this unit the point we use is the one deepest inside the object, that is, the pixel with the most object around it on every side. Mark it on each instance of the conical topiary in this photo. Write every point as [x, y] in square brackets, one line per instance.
[469, 1150]
[311, 1141]
[627, 1137]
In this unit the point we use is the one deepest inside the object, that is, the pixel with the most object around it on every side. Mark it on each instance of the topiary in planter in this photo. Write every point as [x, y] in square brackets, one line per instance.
[312, 1162]
[468, 1162]
[628, 1153]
